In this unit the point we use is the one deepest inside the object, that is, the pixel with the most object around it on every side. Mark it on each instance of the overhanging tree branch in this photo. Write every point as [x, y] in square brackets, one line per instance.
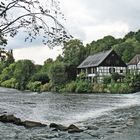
[33, 19]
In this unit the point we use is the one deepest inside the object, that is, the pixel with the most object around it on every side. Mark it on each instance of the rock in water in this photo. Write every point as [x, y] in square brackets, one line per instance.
[58, 127]
[30, 124]
[12, 119]
[74, 129]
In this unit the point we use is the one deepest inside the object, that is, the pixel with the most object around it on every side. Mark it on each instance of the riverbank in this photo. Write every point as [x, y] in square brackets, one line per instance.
[81, 87]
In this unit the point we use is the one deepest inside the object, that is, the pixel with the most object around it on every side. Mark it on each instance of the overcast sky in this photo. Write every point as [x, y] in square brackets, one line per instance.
[87, 20]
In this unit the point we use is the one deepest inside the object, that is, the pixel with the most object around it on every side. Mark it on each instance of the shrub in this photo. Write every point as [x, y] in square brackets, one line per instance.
[71, 87]
[116, 77]
[119, 88]
[83, 87]
[99, 88]
[46, 87]
[34, 86]
[42, 77]
[107, 80]
[11, 83]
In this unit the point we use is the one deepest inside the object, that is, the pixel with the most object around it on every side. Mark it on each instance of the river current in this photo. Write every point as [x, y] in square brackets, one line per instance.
[66, 109]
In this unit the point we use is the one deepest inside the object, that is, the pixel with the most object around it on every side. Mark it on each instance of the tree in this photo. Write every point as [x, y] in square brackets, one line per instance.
[48, 61]
[10, 58]
[6, 58]
[7, 72]
[102, 44]
[24, 69]
[35, 17]
[74, 53]
[41, 77]
[58, 74]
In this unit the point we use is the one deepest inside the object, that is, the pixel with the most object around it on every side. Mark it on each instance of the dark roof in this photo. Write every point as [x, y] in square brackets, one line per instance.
[135, 60]
[94, 60]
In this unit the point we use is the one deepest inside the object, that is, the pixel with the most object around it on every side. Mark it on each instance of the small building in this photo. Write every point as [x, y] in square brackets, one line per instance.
[102, 64]
[134, 64]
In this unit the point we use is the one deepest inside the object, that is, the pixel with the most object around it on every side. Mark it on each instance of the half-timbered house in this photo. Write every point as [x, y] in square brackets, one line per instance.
[134, 64]
[102, 64]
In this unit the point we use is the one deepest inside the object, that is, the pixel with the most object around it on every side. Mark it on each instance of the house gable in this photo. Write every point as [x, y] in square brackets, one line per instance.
[106, 58]
[113, 60]
[135, 60]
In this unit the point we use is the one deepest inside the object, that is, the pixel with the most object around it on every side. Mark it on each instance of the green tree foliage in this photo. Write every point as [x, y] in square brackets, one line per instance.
[60, 75]
[7, 73]
[115, 77]
[57, 74]
[73, 54]
[6, 58]
[46, 67]
[107, 79]
[126, 47]
[137, 35]
[34, 86]
[10, 58]
[24, 69]
[102, 44]
[42, 77]
[11, 83]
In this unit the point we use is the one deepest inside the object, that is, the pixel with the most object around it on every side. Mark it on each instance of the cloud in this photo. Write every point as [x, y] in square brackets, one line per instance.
[37, 54]
[117, 29]
[87, 20]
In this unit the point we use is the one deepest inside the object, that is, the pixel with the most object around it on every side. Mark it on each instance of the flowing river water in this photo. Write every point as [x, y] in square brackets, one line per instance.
[101, 116]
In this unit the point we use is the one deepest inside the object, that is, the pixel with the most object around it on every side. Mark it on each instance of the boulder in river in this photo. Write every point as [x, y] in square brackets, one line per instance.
[10, 119]
[30, 124]
[71, 129]
[13, 119]
[58, 127]
[74, 129]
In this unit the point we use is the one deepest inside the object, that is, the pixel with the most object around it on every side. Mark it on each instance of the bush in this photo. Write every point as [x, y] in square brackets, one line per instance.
[46, 87]
[71, 87]
[99, 88]
[116, 77]
[107, 80]
[119, 88]
[83, 87]
[42, 77]
[34, 86]
[11, 83]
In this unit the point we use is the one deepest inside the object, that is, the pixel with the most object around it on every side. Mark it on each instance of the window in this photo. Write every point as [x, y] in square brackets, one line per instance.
[111, 70]
[121, 71]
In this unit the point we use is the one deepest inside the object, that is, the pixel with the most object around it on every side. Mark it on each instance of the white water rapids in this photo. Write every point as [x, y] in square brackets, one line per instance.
[62, 108]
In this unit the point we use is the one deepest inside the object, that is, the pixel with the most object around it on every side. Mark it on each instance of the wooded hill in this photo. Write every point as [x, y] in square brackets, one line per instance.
[126, 47]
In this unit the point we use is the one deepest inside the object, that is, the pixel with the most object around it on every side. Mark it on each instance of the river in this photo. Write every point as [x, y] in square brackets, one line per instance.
[112, 114]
